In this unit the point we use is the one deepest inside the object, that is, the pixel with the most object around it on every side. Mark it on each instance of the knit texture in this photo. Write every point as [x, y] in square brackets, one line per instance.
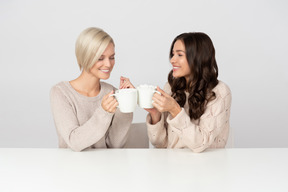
[211, 130]
[82, 123]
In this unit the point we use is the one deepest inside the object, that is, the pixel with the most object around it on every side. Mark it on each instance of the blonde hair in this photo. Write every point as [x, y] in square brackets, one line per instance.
[90, 45]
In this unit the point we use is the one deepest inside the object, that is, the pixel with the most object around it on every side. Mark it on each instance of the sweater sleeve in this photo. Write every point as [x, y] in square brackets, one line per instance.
[118, 131]
[211, 124]
[78, 137]
[157, 133]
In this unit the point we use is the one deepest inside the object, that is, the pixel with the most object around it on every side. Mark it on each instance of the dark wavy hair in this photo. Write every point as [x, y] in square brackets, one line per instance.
[200, 54]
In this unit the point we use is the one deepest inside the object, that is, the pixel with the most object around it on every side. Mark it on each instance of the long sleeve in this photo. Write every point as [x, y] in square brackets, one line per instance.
[210, 131]
[157, 133]
[76, 136]
[213, 123]
[118, 132]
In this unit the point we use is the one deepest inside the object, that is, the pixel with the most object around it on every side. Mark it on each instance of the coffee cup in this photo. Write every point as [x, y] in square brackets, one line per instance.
[127, 99]
[145, 94]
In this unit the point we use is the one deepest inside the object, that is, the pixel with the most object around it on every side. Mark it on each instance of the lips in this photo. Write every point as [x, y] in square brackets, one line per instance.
[105, 70]
[175, 68]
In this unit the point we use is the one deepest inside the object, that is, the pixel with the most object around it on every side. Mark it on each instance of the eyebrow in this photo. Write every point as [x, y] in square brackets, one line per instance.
[109, 55]
[179, 51]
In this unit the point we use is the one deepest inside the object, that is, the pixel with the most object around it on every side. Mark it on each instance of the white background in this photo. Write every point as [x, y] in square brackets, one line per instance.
[37, 41]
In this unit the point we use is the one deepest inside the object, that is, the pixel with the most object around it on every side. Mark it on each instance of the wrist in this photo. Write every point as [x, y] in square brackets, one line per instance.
[175, 111]
[155, 117]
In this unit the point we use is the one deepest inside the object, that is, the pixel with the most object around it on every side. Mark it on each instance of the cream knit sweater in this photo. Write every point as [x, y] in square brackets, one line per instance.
[82, 123]
[210, 131]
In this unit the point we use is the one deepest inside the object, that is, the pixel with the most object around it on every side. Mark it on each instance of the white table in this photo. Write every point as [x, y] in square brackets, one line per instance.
[61, 170]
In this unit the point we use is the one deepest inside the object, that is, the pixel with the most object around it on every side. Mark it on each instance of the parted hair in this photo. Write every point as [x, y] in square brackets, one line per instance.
[90, 45]
[200, 54]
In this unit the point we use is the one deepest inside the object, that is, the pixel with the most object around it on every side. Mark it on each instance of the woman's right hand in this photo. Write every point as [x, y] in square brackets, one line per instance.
[109, 103]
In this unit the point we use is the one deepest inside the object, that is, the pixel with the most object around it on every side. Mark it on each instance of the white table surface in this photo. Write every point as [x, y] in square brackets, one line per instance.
[53, 170]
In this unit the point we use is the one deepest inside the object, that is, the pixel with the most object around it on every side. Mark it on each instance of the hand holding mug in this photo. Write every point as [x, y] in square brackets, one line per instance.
[165, 102]
[109, 103]
[127, 99]
[145, 95]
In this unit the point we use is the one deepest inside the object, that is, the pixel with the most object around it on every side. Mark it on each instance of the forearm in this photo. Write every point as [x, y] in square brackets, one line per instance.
[77, 129]
[197, 137]
[78, 137]
[157, 133]
[155, 117]
[118, 132]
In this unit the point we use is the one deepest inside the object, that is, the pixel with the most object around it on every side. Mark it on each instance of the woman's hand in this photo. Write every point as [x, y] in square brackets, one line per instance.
[165, 102]
[109, 103]
[125, 83]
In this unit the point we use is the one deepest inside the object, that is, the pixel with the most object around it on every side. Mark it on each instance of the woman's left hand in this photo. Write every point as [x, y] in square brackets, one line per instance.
[165, 102]
[125, 83]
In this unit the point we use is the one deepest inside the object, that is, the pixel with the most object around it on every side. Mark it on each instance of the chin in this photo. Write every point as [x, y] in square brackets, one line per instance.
[175, 75]
[105, 77]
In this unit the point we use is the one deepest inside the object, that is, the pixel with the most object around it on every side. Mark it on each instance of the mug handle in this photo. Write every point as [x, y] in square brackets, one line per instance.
[157, 92]
[114, 95]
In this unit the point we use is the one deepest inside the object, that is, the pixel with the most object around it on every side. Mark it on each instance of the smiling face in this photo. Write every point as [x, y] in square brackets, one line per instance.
[103, 67]
[179, 61]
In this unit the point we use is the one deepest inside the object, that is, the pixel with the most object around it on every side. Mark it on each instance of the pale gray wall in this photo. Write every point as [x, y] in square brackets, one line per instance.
[37, 50]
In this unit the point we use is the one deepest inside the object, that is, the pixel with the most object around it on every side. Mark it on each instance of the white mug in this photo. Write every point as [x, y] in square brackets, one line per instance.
[127, 99]
[145, 94]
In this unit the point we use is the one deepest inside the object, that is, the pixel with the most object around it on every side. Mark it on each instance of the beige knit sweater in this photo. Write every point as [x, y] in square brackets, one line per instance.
[210, 131]
[82, 123]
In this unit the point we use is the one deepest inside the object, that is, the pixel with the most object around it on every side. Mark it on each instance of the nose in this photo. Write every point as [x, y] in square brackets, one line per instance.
[108, 63]
[172, 60]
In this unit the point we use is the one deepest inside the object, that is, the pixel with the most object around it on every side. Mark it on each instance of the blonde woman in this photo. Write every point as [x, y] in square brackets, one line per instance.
[85, 115]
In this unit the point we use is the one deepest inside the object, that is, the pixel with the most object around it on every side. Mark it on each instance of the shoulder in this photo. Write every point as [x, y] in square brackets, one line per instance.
[222, 90]
[60, 92]
[59, 87]
[223, 98]
[222, 101]
[167, 88]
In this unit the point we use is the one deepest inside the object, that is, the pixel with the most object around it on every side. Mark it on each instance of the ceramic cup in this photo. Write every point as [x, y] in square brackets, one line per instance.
[127, 99]
[145, 94]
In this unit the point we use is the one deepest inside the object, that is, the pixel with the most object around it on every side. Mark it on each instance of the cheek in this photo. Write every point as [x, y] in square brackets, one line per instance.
[112, 64]
[186, 67]
[97, 65]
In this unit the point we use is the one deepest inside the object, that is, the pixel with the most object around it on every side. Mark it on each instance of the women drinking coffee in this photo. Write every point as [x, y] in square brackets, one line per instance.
[193, 110]
[85, 113]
